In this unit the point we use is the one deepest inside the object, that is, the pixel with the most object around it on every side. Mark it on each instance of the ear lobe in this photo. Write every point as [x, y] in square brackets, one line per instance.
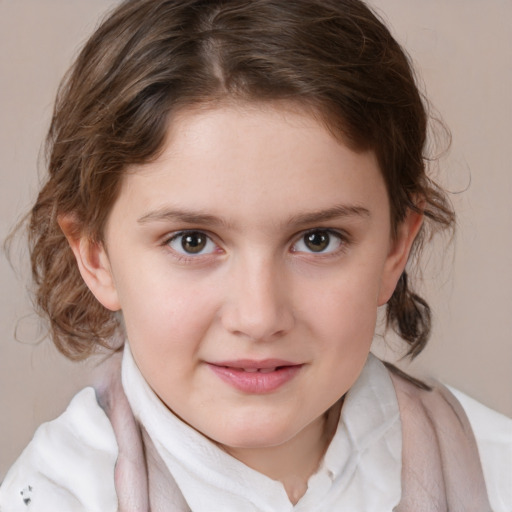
[400, 249]
[93, 263]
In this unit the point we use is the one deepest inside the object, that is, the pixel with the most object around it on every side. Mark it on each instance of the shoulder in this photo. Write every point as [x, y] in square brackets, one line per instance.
[457, 418]
[493, 433]
[68, 465]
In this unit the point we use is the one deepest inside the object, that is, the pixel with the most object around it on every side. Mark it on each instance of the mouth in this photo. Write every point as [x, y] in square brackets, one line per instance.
[260, 370]
[256, 377]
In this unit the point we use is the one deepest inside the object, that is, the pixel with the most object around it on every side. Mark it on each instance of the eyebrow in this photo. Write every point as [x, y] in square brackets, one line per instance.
[185, 216]
[336, 212]
[199, 218]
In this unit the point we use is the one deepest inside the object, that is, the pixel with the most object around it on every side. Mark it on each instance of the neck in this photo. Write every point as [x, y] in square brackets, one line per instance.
[293, 462]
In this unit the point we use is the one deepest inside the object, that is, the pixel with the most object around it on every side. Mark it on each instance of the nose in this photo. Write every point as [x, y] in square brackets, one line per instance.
[259, 305]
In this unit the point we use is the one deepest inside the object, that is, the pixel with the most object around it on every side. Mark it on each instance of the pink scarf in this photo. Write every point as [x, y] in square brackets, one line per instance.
[441, 469]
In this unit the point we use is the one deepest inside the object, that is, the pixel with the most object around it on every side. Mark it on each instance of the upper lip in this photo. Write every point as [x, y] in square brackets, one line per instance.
[255, 364]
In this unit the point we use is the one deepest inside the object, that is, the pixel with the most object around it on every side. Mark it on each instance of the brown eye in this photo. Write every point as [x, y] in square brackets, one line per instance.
[192, 243]
[319, 241]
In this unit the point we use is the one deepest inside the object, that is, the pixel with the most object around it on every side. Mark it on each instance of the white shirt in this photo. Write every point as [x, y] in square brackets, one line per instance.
[69, 465]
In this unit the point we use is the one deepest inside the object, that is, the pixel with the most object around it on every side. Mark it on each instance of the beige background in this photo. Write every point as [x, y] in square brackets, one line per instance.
[463, 52]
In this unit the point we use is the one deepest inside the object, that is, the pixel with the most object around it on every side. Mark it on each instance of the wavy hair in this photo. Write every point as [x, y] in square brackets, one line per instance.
[150, 59]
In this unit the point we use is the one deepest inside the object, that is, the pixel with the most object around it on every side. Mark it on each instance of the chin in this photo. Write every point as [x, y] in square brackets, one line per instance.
[257, 442]
[254, 435]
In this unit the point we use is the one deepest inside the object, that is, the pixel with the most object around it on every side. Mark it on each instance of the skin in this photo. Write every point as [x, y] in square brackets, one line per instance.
[253, 179]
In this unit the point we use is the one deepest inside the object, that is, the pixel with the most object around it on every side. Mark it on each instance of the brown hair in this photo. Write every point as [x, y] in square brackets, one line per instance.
[151, 58]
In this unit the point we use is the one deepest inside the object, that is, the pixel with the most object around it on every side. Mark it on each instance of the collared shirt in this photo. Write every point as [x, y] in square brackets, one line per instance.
[360, 470]
[69, 464]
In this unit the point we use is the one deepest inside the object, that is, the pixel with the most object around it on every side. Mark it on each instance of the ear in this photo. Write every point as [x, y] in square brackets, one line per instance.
[400, 248]
[93, 263]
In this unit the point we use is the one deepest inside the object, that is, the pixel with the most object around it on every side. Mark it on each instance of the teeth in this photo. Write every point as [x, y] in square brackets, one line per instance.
[261, 370]
[267, 370]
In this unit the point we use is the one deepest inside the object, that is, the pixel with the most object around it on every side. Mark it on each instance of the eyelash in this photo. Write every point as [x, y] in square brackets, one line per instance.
[342, 239]
[189, 257]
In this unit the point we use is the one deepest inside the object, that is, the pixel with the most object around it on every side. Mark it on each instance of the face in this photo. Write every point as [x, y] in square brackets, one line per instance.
[248, 262]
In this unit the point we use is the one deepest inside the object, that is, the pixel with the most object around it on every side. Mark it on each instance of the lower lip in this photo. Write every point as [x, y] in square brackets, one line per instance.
[256, 382]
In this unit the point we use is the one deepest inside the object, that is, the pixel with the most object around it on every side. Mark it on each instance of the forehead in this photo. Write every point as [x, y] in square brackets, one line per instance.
[239, 161]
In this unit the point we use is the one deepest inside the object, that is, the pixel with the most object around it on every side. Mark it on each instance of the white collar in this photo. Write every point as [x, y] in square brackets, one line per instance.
[361, 469]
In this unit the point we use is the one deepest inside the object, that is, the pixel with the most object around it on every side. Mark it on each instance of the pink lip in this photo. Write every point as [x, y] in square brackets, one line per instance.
[276, 373]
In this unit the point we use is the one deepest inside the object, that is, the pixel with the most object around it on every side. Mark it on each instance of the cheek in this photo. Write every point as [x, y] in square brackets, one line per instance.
[342, 317]
[166, 318]
[347, 319]
[346, 302]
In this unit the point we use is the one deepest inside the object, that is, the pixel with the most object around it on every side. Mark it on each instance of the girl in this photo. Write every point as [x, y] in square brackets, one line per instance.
[234, 189]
